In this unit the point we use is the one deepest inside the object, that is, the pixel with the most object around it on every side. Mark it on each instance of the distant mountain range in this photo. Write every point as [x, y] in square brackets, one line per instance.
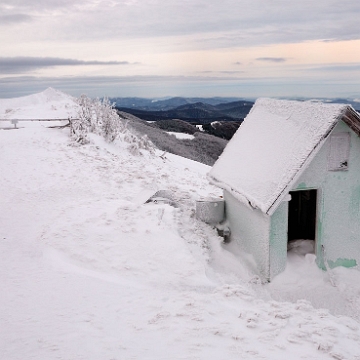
[168, 103]
[201, 112]
[197, 110]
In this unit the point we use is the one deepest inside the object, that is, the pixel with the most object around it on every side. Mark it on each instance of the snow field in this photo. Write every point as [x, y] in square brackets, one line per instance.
[53, 104]
[88, 271]
[181, 135]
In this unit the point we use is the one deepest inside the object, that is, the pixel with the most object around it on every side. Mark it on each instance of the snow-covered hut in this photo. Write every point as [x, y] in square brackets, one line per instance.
[292, 171]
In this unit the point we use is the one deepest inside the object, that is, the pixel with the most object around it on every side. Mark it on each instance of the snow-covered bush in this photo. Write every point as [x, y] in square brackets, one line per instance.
[82, 125]
[99, 117]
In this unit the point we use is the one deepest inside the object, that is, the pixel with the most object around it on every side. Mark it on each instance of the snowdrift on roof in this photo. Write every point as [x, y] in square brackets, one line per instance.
[271, 146]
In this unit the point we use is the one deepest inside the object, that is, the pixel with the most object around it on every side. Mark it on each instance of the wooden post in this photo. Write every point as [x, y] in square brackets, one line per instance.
[14, 122]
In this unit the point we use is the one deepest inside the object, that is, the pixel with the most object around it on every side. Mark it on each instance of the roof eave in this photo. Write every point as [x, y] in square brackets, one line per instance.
[352, 119]
[247, 200]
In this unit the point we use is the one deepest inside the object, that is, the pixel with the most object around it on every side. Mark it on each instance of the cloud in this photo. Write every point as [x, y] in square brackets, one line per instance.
[39, 6]
[228, 72]
[349, 67]
[80, 81]
[159, 86]
[212, 23]
[99, 85]
[127, 86]
[272, 59]
[14, 19]
[21, 64]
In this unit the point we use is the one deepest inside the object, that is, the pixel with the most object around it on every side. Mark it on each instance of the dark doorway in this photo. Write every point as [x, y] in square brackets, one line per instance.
[302, 215]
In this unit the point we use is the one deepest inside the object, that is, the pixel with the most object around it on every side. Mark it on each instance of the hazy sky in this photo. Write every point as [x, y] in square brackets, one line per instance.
[154, 48]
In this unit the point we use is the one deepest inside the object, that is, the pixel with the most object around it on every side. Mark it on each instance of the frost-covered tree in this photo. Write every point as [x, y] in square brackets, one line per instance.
[111, 124]
[81, 126]
[95, 116]
[99, 117]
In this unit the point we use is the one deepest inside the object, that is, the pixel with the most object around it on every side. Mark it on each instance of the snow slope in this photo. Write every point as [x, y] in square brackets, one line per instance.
[88, 271]
[49, 104]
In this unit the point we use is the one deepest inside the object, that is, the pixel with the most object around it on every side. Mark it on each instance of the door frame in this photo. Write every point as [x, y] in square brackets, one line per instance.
[317, 212]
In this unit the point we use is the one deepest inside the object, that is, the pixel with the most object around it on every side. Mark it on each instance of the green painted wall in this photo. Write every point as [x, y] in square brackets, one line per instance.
[278, 239]
[338, 223]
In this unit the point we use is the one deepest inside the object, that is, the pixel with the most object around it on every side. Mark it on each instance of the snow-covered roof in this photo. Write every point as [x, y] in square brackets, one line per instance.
[276, 140]
[49, 104]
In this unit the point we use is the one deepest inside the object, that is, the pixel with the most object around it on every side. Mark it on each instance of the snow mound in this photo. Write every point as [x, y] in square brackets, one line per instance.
[89, 270]
[49, 104]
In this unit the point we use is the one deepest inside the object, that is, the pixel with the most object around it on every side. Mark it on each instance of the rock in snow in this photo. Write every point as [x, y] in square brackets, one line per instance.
[89, 272]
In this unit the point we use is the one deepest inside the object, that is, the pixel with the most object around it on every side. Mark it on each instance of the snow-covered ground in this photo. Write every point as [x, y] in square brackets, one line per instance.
[49, 104]
[181, 135]
[91, 271]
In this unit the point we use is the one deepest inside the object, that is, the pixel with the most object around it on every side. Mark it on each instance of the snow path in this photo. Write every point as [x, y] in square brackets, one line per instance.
[89, 272]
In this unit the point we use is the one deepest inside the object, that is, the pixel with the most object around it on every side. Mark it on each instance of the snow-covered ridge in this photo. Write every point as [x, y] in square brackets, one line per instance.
[49, 104]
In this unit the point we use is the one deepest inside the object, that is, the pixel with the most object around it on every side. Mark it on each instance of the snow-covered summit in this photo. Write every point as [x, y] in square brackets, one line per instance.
[49, 104]
[51, 94]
